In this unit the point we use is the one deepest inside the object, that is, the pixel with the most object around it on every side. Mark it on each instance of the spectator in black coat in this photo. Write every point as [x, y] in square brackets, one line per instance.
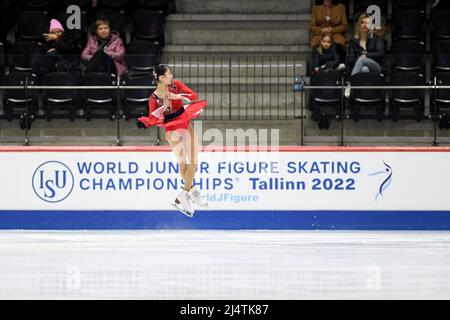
[366, 50]
[326, 57]
[61, 51]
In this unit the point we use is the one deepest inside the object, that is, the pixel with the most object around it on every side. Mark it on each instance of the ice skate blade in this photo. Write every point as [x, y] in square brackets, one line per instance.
[182, 210]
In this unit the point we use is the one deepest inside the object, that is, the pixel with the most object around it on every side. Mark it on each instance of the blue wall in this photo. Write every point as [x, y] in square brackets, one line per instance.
[227, 220]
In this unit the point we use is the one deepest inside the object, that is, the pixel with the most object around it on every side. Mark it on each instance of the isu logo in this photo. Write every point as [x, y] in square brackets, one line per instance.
[53, 181]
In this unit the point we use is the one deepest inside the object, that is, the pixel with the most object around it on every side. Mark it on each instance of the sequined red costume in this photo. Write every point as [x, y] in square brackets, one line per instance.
[173, 118]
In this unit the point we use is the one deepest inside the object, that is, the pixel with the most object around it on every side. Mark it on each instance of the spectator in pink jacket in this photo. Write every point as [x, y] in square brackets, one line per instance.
[104, 51]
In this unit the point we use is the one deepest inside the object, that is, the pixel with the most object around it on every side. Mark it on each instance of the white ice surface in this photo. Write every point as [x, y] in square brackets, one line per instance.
[224, 265]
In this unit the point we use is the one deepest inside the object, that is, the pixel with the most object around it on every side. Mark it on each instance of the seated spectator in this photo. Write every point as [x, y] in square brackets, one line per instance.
[104, 51]
[329, 18]
[61, 51]
[326, 58]
[366, 51]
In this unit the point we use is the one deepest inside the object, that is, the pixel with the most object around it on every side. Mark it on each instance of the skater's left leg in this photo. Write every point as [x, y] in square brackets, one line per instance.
[191, 148]
[182, 202]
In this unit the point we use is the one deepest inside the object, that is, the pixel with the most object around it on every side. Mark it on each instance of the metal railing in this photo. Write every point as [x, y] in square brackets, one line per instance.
[344, 112]
[237, 88]
[223, 107]
[27, 117]
[244, 87]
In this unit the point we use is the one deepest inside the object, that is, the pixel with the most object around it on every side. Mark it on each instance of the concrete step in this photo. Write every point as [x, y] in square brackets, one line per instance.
[241, 67]
[248, 105]
[364, 132]
[251, 18]
[250, 115]
[239, 6]
[237, 29]
[235, 81]
[294, 50]
[258, 102]
[221, 133]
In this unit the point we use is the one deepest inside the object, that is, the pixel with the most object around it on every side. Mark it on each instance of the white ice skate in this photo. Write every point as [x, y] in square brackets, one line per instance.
[184, 204]
[197, 198]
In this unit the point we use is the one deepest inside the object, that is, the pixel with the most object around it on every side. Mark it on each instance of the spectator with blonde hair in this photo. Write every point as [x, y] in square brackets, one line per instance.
[366, 50]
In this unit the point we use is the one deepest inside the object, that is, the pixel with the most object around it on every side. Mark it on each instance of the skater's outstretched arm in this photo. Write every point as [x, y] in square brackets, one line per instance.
[186, 91]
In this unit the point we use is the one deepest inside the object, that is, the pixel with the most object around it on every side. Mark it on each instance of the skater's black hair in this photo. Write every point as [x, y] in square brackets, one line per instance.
[159, 70]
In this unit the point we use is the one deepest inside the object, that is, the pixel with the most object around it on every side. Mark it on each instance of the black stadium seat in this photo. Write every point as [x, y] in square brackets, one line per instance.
[371, 100]
[60, 98]
[99, 98]
[135, 101]
[408, 55]
[441, 56]
[161, 5]
[32, 24]
[38, 4]
[148, 25]
[409, 4]
[441, 100]
[441, 24]
[83, 4]
[142, 55]
[115, 4]
[16, 99]
[442, 97]
[325, 103]
[409, 24]
[22, 55]
[410, 99]
[2, 59]
[440, 5]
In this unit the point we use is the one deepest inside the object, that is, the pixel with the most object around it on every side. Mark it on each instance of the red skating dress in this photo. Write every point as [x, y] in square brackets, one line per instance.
[173, 118]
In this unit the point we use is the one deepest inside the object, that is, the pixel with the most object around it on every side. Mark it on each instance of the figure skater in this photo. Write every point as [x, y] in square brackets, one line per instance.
[166, 110]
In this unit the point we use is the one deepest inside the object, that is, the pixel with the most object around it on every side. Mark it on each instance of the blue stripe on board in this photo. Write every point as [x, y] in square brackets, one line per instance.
[227, 220]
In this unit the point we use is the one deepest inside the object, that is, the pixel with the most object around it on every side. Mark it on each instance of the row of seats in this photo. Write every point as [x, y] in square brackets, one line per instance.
[362, 5]
[408, 30]
[134, 101]
[141, 55]
[165, 5]
[135, 20]
[359, 5]
[410, 55]
[409, 18]
[411, 24]
[144, 24]
[326, 104]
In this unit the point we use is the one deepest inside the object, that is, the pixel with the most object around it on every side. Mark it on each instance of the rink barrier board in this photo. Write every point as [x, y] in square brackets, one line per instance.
[222, 219]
